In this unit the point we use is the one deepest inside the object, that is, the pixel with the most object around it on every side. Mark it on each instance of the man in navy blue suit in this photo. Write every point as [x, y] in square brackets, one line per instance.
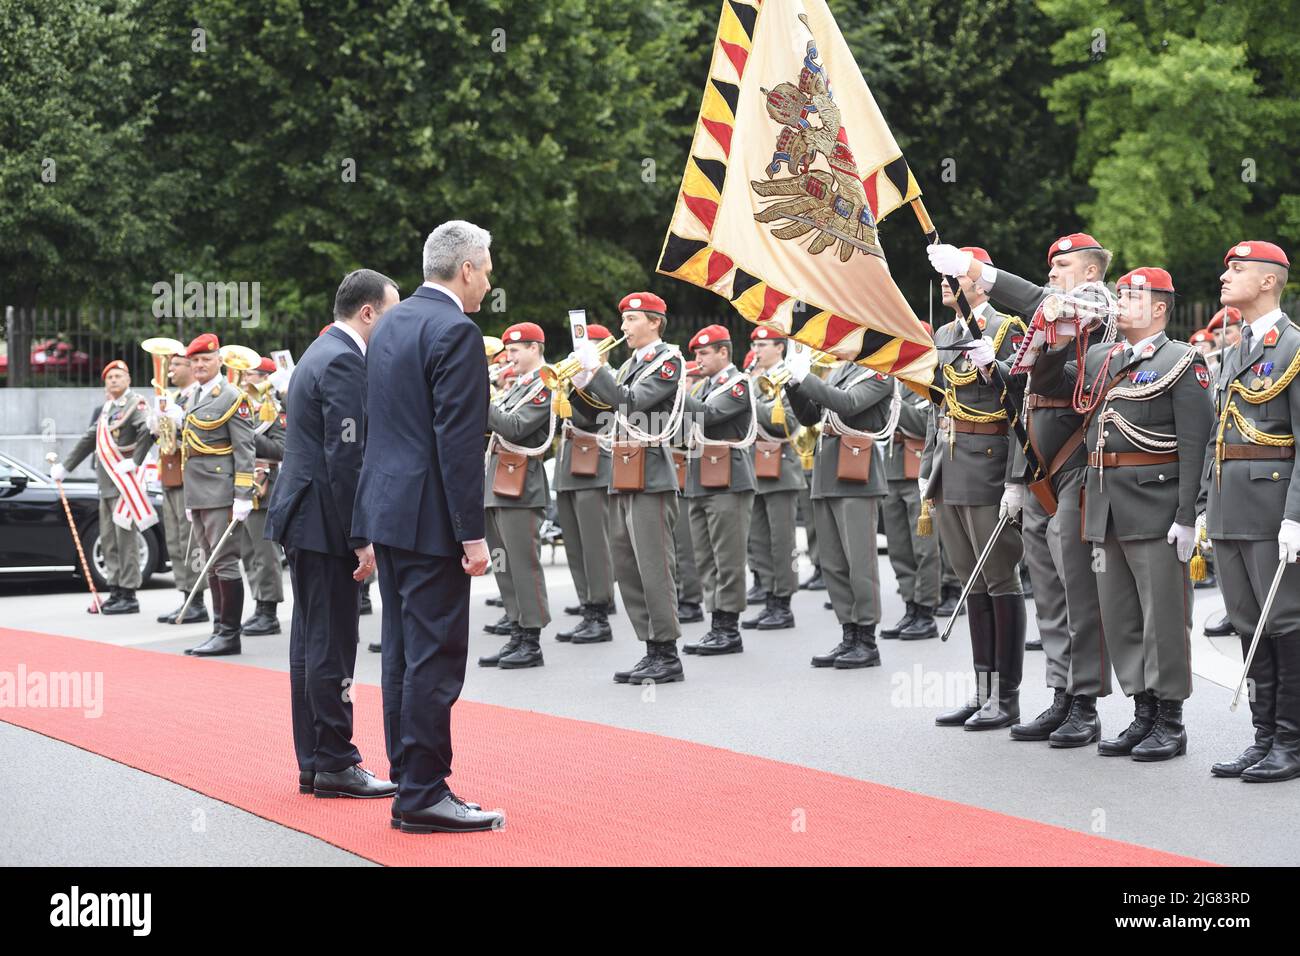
[420, 502]
[310, 514]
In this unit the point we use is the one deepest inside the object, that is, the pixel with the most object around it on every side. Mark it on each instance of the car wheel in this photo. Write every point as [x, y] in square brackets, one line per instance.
[148, 549]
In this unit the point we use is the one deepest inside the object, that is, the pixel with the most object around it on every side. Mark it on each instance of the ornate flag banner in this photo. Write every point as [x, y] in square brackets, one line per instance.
[791, 168]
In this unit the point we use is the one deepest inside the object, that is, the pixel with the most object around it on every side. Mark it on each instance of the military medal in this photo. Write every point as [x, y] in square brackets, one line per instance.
[1256, 384]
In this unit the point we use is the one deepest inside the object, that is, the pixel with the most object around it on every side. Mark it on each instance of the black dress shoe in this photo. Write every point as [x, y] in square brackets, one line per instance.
[1081, 726]
[527, 654]
[263, 621]
[1249, 757]
[355, 781]
[509, 647]
[123, 603]
[196, 613]
[1219, 626]
[847, 640]
[218, 645]
[501, 625]
[688, 612]
[777, 616]
[375, 648]
[664, 666]
[1041, 727]
[1281, 763]
[1168, 737]
[863, 653]
[891, 633]
[922, 627]
[451, 815]
[959, 715]
[1144, 718]
[622, 677]
[395, 816]
[306, 779]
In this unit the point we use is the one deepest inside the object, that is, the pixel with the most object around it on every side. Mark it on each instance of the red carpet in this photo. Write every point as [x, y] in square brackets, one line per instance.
[223, 729]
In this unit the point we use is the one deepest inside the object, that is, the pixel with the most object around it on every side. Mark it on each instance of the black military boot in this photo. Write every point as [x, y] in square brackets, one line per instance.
[114, 598]
[527, 654]
[1003, 706]
[1081, 727]
[1144, 718]
[909, 615]
[1219, 626]
[922, 627]
[948, 601]
[509, 647]
[1263, 704]
[263, 620]
[622, 677]
[756, 592]
[778, 615]
[565, 636]
[863, 653]
[752, 622]
[1041, 727]
[724, 638]
[847, 641]
[1168, 737]
[1283, 759]
[815, 582]
[123, 602]
[195, 613]
[225, 636]
[688, 612]
[693, 647]
[663, 666]
[594, 628]
[983, 644]
[501, 625]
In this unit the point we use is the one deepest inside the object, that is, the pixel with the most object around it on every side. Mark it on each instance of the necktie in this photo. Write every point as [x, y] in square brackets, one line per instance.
[1246, 336]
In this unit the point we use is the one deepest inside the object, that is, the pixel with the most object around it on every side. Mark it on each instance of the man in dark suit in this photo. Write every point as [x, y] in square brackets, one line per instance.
[310, 514]
[420, 501]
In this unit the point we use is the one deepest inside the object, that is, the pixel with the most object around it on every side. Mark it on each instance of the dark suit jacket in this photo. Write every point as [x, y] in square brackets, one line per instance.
[311, 503]
[422, 482]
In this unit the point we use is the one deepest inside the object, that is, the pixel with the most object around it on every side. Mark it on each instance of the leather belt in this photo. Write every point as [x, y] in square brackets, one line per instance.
[1123, 459]
[1256, 452]
[979, 428]
[1043, 401]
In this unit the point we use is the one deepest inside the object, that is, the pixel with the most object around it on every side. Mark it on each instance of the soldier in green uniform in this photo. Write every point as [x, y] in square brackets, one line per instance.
[857, 410]
[218, 451]
[778, 479]
[1251, 491]
[259, 554]
[646, 398]
[690, 593]
[516, 497]
[118, 435]
[719, 485]
[1149, 413]
[972, 469]
[582, 503]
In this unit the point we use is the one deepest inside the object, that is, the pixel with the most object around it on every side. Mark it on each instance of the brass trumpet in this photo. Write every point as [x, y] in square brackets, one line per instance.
[496, 371]
[492, 345]
[238, 359]
[162, 349]
[775, 378]
[563, 371]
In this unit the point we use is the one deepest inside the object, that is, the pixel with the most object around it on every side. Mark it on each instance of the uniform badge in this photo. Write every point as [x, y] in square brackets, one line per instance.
[1270, 337]
[738, 390]
[541, 398]
[243, 410]
[216, 390]
[1202, 375]
[1143, 378]
[142, 406]
[1149, 351]
[980, 321]
[1264, 369]
[667, 370]
[1016, 340]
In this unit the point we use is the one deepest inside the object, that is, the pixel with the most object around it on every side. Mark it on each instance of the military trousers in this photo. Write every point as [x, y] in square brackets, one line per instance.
[719, 530]
[180, 534]
[261, 559]
[773, 550]
[1245, 570]
[642, 544]
[965, 530]
[846, 534]
[689, 589]
[209, 525]
[914, 557]
[947, 577]
[584, 519]
[514, 540]
[809, 521]
[121, 548]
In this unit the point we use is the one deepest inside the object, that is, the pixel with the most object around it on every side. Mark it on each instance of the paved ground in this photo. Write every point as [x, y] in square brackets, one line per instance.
[875, 725]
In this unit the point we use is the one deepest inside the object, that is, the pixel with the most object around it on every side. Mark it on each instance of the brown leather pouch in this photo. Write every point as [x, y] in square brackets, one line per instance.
[715, 466]
[169, 470]
[913, 449]
[1042, 490]
[629, 466]
[767, 459]
[584, 457]
[511, 472]
[854, 463]
[679, 464]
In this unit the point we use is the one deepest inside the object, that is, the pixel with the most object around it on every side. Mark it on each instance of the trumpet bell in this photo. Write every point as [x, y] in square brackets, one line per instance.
[162, 345]
[239, 358]
[492, 345]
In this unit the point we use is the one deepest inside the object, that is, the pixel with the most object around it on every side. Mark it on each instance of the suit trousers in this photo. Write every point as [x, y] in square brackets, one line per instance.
[774, 553]
[261, 559]
[965, 530]
[425, 645]
[584, 519]
[914, 557]
[686, 574]
[180, 532]
[322, 658]
[514, 538]
[121, 547]
[642, 544]
[719, 529]
[1143, 587]
[846, 534]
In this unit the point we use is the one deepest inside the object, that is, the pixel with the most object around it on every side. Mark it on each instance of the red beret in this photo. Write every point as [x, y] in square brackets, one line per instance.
[980, 254]
[116, 363]
[1200, 335]
[1225, 316]
[749, 359]
[267, 365]
[643, 302]
[597, 332]
[765, 332]
[523, 332]
[1146, 279]
[1253, 251]
[202, 344]
[709, 335]
[1074, 242]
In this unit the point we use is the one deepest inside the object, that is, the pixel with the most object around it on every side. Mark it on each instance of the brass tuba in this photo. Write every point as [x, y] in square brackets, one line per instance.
[162, 349]
[238, 359]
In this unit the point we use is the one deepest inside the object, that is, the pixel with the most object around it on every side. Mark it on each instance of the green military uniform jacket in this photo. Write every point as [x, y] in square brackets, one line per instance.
[722, 408]
[792, 475]
[861, 397]
[521, 415]
[218, 445]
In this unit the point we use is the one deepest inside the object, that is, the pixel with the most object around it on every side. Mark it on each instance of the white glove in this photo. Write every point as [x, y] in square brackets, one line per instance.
[1288, 540]
[58, 472]
[124, 467]
[949, 260]
[799, 361]
[1202, 535]
[1183, 538]
[1013, 499]
[241, 508]
[981, 353]
[189, 515]
[923, 485]
[173, 411]
[586, 354]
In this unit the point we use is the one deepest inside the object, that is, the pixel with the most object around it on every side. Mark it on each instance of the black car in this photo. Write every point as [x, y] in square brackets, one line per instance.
[34, 535]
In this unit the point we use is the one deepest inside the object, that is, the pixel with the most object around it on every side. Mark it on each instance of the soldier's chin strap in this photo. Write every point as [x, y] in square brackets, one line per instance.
[1034, 467]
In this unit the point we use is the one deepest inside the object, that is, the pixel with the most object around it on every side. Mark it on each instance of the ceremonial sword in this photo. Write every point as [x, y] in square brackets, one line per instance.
[979, 566]
[1259, 630]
